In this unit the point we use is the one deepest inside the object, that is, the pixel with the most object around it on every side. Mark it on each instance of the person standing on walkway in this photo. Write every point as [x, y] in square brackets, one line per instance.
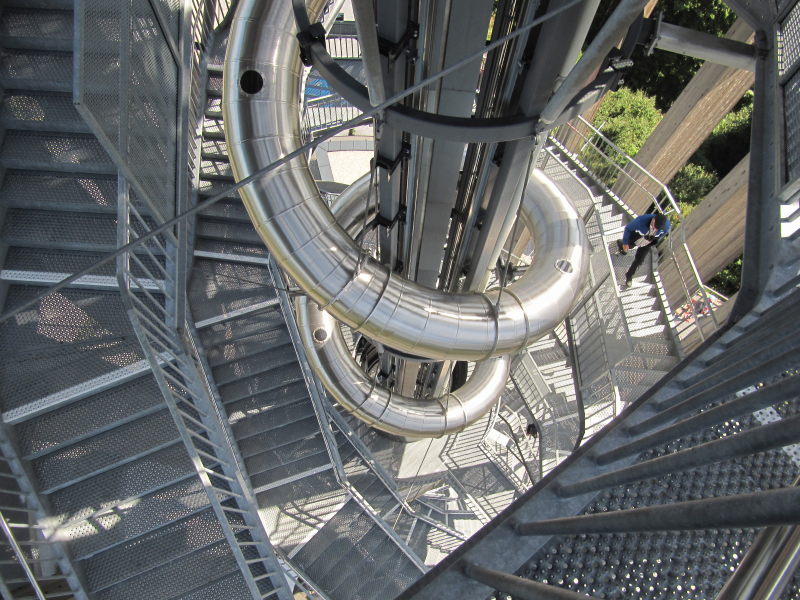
[642, 232]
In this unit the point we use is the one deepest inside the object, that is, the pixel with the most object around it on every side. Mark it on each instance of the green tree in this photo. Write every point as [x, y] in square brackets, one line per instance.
[665, 74]
[627, 118]
[690, 185]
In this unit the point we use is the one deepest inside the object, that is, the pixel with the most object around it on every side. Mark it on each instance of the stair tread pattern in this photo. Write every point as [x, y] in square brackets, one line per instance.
[145, 514]
[153, 549]
[79, 420]
[73, 336]
[37, 70]
[130, 480]
[78, 191]
[171, 579]
[89, 456]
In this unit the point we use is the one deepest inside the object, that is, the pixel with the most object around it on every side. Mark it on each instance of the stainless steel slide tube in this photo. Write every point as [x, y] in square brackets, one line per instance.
[346, 382]
[261, 106]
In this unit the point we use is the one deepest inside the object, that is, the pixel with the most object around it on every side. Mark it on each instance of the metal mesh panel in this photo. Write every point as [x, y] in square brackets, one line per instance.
[123, 48]
[32, 67]
[791, 101]
[128, 481]
[47, 148]
[626, 565]
[230, 588]
[69, 338]
[26, 187]
[97, 453]
[133, 519]
[164, 545]
[789, 41]
[23, 22]
[34, 109]
[60, 228]
[171, 11]
[77, 420]
[172, 579]
[152, 108]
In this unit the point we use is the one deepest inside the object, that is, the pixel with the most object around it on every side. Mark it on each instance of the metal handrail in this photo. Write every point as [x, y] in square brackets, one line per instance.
[20, 555]
[634, 173]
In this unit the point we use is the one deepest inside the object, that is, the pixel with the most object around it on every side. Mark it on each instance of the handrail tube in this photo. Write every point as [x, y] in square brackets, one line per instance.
[768, 507]
[23, 563]
[759, 399]
[759, 439]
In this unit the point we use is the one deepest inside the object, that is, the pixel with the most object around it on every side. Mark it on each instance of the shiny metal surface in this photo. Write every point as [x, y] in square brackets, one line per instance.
[306, 241]
[345, 380]
[379, 407]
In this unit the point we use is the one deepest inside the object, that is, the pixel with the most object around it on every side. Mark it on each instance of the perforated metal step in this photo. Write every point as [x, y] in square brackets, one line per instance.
[125, 443]
[36, 70]
[171, 580]
[153, 550]
[73, 338]
[41, 111]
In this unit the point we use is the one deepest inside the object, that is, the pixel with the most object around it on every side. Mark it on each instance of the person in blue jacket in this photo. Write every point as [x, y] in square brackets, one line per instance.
[642, 232]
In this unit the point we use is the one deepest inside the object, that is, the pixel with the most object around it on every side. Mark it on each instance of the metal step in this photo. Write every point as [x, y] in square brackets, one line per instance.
[262, 383]
[96, 455]
[74, 337]
[346, 552]
[273, 340]
[216, 169]
[54, 151]
[48, 229]
[130, 518]
[352, 569]
[251, 325]
[172, 579]
[317, 548]
[272, 417]
[59, 191]
[232, 251]
[256, 363]
[300, 455]
[129, 481]
[36, 70]
[302, 492]
[81, 420]
[288, 395]
[298, 433]
[230, 209]
[229, 587]
[225, 230]
[217, 287]
[305, 464]
[41, 111]
[52, 260]
[213, 148]
[152, 550]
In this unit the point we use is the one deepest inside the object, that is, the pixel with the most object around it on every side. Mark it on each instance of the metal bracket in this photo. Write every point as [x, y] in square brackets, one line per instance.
[312, 34]
[392, 50]
[391, 164]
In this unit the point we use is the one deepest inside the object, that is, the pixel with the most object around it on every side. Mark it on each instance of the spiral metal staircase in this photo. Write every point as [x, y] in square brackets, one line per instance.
[163, 434]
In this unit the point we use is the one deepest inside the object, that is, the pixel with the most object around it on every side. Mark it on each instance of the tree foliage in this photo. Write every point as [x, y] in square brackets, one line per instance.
[665, 74]
[627, 118]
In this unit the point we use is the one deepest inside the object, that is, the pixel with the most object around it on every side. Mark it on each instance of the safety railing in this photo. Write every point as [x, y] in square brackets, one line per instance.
[189, 394]
[32, 560]
[627, 183]
[330, 419]
[508, 445]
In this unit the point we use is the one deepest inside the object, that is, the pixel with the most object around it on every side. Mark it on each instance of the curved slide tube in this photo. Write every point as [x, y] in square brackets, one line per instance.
[261, 106]
[345, 380]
